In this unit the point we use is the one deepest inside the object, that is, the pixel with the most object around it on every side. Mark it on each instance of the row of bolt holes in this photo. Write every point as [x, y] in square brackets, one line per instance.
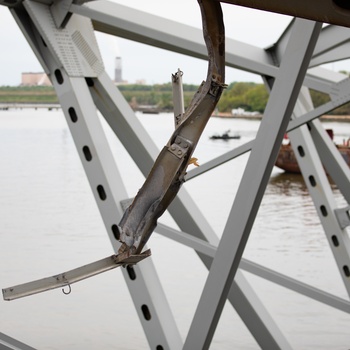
[102, 194]
[324, 212]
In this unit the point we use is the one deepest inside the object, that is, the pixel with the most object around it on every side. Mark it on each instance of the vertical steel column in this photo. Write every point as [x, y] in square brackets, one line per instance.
[318, 184]
[331, 158]
[255, 178]
[60, 51]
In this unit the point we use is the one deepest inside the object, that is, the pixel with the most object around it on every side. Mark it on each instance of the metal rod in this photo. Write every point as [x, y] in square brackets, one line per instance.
[178, 97]
[67, 278]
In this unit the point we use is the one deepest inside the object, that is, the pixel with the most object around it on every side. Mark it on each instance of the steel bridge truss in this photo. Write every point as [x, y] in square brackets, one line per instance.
[61, 34]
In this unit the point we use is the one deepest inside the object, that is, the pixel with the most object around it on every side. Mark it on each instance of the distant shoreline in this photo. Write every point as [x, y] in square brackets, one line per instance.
[8, 106]
[51, 106]
[330, 118]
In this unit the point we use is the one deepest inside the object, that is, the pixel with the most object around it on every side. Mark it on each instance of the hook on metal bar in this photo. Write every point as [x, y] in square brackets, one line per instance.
[69, 290]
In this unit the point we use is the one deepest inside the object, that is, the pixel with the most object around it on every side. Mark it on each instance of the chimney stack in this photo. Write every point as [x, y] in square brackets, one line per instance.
[118, 70]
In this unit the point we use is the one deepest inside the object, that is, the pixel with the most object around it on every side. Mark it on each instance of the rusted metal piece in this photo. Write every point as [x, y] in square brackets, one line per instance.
[327, 11]
[178, 97]
[169, 169]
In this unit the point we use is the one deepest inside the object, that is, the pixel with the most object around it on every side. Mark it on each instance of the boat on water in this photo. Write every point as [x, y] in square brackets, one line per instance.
[287, 161]
[225, 136]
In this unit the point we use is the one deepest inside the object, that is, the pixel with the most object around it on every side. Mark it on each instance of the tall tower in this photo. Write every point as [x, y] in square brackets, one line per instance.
[118, 70]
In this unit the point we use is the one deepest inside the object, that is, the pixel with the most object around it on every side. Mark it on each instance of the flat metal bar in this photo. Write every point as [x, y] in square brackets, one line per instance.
[72, 276]
[8, 343]
[332, 39]
[238, 151]
[254, 181]
[324, 80]
[302, 288]
[296, 286]
[178, 97]
[337, 54]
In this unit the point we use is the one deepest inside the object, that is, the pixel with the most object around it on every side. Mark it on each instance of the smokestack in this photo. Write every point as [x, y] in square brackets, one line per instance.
[118, 70]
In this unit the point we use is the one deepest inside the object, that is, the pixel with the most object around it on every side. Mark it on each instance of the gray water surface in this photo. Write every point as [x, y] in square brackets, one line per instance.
[50, 223]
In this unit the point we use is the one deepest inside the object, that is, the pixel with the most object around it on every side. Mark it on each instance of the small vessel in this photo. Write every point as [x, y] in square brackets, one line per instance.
[287, 161]
[225, 136]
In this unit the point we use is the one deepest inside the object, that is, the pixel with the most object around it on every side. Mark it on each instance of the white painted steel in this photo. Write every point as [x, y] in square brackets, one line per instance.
[262, 158]
[319, 187]
[101, 170]
[79, 59]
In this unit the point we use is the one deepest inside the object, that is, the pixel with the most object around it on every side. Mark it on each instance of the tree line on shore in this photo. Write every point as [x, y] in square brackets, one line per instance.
[247, 95]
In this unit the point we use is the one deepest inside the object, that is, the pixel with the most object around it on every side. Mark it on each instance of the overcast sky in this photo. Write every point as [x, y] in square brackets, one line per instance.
[143, 62]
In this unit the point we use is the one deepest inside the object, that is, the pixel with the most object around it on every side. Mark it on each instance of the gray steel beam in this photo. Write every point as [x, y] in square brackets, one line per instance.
[338, 53]
[119, 20]
[275, 277]
[107, 186]
[311, 167]
[325, 81]
[318, 184]
[332, 45]
[255, 315]
[125, 22]
[261, 161]
[122, 21]
[25, 24]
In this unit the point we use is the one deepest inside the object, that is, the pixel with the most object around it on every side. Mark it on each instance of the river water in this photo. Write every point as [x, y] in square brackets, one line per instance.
[50, 223]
